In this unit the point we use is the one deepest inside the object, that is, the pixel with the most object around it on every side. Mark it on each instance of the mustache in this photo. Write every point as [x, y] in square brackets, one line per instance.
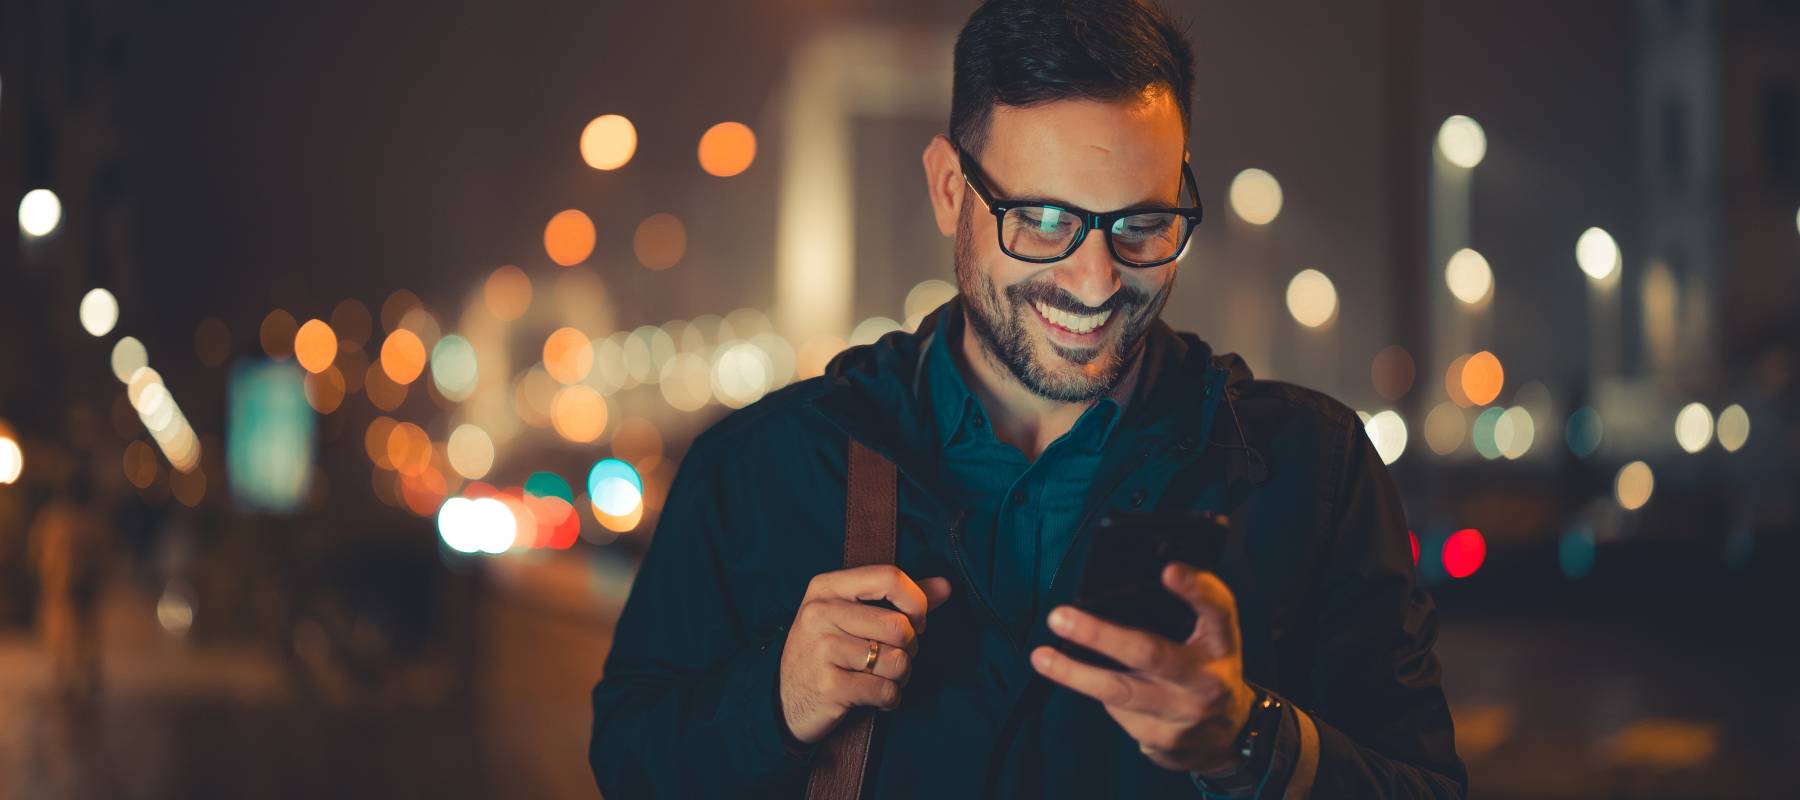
[1060, 299]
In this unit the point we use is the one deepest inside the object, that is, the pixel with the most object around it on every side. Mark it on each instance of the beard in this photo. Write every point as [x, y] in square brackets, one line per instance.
[1000, 320]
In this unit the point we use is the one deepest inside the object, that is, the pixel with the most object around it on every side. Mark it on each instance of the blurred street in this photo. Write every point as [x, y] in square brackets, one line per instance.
[1578, 707]
[174, 721]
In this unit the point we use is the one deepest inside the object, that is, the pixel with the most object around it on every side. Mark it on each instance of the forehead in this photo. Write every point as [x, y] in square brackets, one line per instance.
[1092, 153]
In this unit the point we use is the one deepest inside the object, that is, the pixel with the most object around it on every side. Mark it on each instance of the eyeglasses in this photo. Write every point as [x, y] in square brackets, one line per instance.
[1044, 233]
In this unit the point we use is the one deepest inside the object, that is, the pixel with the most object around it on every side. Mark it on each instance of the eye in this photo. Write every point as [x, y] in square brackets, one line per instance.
[1045, 220]
[1144, 225]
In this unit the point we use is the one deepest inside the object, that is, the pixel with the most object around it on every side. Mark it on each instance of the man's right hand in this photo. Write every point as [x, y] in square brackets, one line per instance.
[822, 674]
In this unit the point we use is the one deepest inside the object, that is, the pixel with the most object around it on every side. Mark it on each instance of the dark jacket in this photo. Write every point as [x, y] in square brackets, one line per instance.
[1319, 561]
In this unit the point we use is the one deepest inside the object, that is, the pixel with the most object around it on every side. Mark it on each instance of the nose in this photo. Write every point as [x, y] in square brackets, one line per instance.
[1090, 273]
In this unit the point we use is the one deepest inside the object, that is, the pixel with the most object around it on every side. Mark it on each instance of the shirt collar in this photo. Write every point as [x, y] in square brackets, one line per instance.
[953, 405]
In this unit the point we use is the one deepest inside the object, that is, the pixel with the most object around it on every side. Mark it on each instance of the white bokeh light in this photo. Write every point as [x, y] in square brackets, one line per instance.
[1311, 298]
[1469, 277]
[1734, 427]
[1597, 253]
[99, 312]
[39, 213]
[1693, 427]
[1387, 431]
[1462, 141]
[12, 460]
[1256, 196]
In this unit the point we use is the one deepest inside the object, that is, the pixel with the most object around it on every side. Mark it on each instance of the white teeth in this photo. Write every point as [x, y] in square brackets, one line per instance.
[1076, 323]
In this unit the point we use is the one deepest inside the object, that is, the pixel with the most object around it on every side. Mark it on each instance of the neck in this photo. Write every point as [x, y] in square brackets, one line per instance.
[1020, 417]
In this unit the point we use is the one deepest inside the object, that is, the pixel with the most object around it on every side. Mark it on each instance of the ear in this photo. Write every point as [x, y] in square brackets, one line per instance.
[944, 183]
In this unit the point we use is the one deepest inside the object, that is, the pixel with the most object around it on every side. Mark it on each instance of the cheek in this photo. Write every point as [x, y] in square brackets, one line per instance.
[1151, 282]
[1005, 272]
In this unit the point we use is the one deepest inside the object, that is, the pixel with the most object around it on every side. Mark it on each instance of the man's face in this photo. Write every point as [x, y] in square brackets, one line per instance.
[1066, 330]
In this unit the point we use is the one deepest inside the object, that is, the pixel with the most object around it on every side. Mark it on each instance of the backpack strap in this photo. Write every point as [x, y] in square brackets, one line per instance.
[869, 503]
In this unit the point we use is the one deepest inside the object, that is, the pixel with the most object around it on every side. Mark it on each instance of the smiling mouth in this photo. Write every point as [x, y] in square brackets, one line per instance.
[1078, 324]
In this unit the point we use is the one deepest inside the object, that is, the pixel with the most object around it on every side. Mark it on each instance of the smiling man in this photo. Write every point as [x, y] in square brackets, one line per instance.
[1045, 396]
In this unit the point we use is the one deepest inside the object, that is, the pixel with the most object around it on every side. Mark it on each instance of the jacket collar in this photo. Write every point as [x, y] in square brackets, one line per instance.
[952, 402]
[876, 392]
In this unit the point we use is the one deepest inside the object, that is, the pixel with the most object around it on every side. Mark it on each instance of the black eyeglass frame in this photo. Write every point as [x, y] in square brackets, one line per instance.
[1091, 220]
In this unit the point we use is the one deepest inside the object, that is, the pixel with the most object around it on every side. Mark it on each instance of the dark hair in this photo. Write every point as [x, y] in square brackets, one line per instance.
[1029, 52]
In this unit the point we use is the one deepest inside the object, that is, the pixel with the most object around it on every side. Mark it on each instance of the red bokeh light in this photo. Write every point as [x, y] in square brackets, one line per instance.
[1463, 553]
[1414, 538]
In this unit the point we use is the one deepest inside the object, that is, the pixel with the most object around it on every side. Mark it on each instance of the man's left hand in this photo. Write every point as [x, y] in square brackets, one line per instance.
[1184, 702]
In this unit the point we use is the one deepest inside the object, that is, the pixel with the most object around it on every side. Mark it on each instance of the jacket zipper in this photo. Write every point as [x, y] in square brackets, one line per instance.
[962, 565]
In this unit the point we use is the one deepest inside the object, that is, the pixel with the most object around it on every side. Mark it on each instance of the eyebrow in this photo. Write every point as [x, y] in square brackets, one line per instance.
[1044, 199]
[1151, 202]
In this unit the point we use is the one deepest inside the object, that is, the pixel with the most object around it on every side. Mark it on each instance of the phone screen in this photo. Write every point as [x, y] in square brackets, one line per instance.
[1123, 579]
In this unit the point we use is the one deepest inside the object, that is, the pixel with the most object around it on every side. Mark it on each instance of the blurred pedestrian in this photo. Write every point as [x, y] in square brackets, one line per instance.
[70, 549]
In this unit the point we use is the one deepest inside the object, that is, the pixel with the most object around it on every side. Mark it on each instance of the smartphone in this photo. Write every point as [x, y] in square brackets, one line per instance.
[1123, 580]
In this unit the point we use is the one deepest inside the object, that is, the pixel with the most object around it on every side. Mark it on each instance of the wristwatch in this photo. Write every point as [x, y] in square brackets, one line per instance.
[1253, 748]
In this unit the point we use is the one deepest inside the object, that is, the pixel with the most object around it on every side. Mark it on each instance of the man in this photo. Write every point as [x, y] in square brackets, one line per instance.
[1046, 394]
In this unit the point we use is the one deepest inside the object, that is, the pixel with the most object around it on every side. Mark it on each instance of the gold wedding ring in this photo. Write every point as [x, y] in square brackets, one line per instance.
[874, 655]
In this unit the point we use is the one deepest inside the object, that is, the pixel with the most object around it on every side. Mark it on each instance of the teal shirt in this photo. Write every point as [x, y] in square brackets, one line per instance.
[1022, 514]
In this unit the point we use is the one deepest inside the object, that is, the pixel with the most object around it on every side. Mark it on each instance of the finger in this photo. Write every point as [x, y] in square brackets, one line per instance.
[1116, 690]
[874, 582]
[1215, 608]
[1140, 650]
[936, 590]
[891, 628]
[855, 688]
[850, 653]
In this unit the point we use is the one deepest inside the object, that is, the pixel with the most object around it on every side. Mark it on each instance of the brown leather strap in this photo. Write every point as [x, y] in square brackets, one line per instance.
[837, 772]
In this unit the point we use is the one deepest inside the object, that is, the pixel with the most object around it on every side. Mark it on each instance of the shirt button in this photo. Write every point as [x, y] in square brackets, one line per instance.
[976, 419]
[1138, 496]
[1018, 497]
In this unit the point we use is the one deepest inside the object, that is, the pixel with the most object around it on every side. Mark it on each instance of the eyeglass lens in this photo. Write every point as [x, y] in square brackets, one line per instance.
[1048, 232]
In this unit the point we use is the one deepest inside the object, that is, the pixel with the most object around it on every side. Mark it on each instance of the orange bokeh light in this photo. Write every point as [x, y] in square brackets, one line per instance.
[621, 523]
[189, 488]
[1392, 372]
[403, 356]
[1482, 378]
[568, 355]
[569, 238]
[1453, 384]
[382, 391]
[212, 342]
[325, 390]
[394, 308]
[351, 321]
[578, 413]
[660, 241]
[315, 346]
[277, 334]
[140, 464]
[507, 293]
[608, 142]
[727, 149]
[532, 396]
[409, 449]
[375, 441]
[424, 492]
[638, 441]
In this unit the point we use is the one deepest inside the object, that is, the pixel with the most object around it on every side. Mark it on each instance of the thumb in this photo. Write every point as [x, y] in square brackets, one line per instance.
[1215, 608]
[936, 590]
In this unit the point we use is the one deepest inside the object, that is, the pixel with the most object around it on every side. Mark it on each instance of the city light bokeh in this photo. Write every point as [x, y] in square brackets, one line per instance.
[1462, 141]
